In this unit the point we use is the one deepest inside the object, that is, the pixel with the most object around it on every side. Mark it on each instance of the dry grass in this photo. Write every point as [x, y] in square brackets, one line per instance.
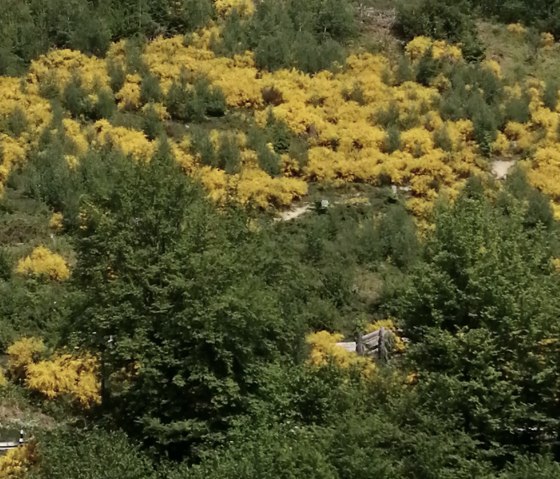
[16, 412]
[519, 55]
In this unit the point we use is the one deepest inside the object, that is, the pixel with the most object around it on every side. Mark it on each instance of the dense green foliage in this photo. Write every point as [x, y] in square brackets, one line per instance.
[197, 312]
[478, 310]
[92, 455]
[306, 34]
[31, 27]
[282, 33]
[207, 319]
[444, 19]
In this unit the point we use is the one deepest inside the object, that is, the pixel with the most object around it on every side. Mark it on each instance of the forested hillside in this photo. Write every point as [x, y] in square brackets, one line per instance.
[199, 199]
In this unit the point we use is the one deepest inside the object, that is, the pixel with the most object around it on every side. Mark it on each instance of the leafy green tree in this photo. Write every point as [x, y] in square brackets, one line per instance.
[480, 312]
[397, 240]
[152, 124]
[532, 467]
[392, 139]
[181, 291]
[90, 455]
[550, 93]
[16, 123]
[150, 91]
[5, 265]
[273, 454]
[75, 99]
[105, 106]
[202, 145]
[442, 19]
[178, 101]
[229, 156]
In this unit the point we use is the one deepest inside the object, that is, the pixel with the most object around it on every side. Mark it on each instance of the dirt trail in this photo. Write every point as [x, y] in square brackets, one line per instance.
[501, 168]
[294, 213]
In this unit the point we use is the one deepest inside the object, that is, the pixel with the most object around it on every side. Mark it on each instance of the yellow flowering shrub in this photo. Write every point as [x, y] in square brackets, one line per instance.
[180, 152]
[217, 182]
[15, 463]
[130, 142]
[243, 7]
[338, 112]
[22, 353]
[519, 135]
[257, 188]
[72, 161]
[12, 153]
[417, 47]
[441, 50]
[56, 222]
[324, 350]
[73, 132]
[45, 264]
[544, 171]
[66, 375]
[3, 380]
[128, 96]
[59, 66]
[516, 29]
[37, 110]
[158, 108]
[492, 66]
[417, 141]
[501, 145]
[547, 40]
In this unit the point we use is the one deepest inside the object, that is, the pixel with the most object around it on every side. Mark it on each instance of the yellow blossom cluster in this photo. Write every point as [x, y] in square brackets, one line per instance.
[15, 95]
[343, 114]
[35, 114]
[59, 66]
[12, 153]
[23, 352]
[66, 375]
[493, 66]
[128, 141]
[43, 263]
[251, 187]
[347, 142]
[325, 350]
[243, 7]
[158, 108]
[128, 96]
[168, 58]
[257, 188]
[74, 376]
[78, 143]
[440, 49]
[56, 221]
[516, 28]
[15, 463]
[547, 40]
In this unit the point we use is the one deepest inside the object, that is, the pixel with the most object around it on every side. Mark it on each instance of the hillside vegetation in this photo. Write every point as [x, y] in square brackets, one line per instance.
[163, 316]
